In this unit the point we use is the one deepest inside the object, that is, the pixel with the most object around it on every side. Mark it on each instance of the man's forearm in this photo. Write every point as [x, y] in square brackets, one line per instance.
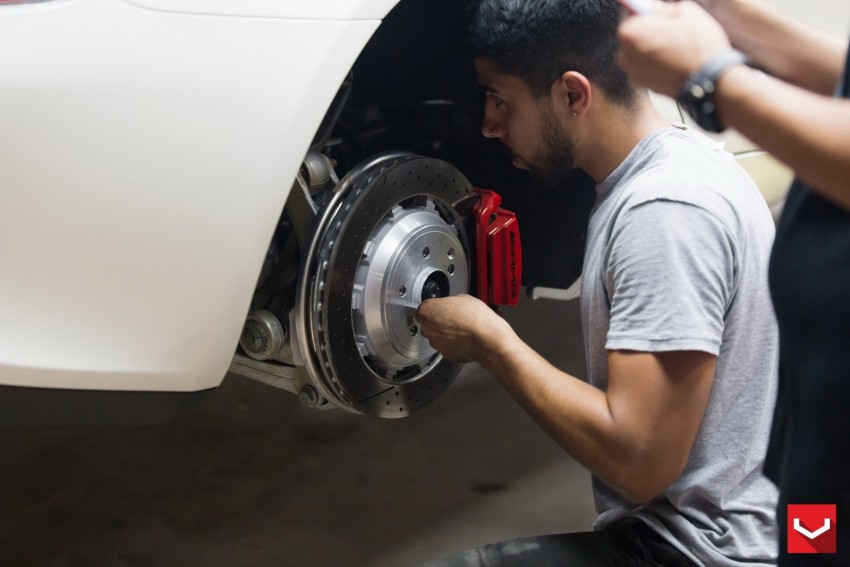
[808, 132]
[781, 45]
[578, 416]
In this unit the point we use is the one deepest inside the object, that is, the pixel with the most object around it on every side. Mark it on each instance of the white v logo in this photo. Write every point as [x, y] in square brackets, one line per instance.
[814, 534]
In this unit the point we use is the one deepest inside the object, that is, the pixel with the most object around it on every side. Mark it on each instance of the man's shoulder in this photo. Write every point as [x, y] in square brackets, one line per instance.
[685, 152]
[686, 166]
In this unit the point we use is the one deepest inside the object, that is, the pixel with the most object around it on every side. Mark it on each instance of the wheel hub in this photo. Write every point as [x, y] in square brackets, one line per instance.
[413, 255]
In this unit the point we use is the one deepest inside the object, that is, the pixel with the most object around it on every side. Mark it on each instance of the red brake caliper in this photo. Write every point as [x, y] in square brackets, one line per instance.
[498, 253]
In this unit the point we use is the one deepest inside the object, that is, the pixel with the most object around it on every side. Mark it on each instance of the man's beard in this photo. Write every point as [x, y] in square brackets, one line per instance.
[555, 162]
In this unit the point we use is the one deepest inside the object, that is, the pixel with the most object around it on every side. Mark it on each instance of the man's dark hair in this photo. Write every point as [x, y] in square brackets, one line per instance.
[539, 40]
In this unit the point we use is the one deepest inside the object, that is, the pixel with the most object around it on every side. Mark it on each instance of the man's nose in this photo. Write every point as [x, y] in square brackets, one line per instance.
[491, 126]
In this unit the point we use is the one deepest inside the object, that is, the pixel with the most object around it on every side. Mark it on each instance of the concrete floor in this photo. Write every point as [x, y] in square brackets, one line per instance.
[254, 478]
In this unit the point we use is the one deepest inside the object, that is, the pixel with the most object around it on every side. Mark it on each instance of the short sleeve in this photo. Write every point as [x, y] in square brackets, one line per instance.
[670, 273]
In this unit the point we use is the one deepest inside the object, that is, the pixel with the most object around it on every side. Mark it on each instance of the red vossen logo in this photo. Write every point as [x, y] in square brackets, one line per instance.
[811, 528]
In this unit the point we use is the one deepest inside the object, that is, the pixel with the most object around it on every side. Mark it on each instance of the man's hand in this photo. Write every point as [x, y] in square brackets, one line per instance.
[660, 50]
[461, 327]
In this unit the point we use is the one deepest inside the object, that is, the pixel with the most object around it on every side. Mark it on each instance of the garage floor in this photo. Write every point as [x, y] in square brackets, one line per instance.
[253, 478]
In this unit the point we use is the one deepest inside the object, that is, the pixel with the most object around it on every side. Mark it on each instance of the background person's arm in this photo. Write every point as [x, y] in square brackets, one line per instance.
[809, 132]
[780, 44]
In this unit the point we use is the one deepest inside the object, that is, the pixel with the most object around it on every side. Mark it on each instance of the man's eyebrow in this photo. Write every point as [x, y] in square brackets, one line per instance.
[484, 83]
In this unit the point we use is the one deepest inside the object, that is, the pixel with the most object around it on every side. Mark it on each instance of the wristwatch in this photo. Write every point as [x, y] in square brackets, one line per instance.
[697, 94]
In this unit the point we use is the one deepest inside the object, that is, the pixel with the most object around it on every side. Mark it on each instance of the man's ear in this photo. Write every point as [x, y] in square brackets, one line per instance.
[573, 93]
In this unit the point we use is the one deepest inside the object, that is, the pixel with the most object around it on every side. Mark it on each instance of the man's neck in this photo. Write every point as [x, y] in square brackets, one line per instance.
[616, 130]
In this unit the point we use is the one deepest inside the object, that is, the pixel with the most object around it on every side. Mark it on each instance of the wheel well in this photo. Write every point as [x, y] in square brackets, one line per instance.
[413, 88]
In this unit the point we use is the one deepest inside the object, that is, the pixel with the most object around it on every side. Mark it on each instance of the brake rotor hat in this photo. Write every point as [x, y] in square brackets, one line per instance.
[409, 255]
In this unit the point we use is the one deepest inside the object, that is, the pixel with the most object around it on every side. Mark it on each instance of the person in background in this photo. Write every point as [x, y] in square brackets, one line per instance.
[680, 337]
[789, 96]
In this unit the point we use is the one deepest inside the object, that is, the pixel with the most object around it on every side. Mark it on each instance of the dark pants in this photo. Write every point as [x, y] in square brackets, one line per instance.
[628, 542]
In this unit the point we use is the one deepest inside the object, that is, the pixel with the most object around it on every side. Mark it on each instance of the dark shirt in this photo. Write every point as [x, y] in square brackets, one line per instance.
[809, 452]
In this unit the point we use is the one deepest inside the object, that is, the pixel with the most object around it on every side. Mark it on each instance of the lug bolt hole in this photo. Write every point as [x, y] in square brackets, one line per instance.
[451, 253]
[402, 291]
[426, 252]
[451, 269]
[414, 330]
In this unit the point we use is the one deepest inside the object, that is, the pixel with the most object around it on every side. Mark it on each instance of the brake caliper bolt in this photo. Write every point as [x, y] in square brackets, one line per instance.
[253, 338]
[308, 396]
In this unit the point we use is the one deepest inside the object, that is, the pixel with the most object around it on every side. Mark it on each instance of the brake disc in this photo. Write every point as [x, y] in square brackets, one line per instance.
[388, 239]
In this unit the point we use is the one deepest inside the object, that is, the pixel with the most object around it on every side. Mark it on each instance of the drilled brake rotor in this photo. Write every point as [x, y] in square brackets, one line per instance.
[389, 239]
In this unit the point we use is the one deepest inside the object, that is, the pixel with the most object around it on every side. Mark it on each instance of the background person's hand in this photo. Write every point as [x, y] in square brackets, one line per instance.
[719, 8]
[662, 49]
[707, 5]
[461, 327]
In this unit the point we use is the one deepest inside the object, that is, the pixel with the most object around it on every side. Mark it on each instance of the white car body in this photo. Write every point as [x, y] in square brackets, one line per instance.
[148, 149]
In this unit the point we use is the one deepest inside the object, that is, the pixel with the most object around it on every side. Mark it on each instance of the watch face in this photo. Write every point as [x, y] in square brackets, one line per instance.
[699, 92]
[697, 95]
[697, 99]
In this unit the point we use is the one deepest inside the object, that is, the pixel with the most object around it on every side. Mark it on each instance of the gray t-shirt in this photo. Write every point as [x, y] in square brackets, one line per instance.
[676, 259]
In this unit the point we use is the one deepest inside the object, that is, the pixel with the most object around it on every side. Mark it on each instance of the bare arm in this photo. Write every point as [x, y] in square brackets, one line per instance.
[781, 45]
[637, 436]
[808, 132]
